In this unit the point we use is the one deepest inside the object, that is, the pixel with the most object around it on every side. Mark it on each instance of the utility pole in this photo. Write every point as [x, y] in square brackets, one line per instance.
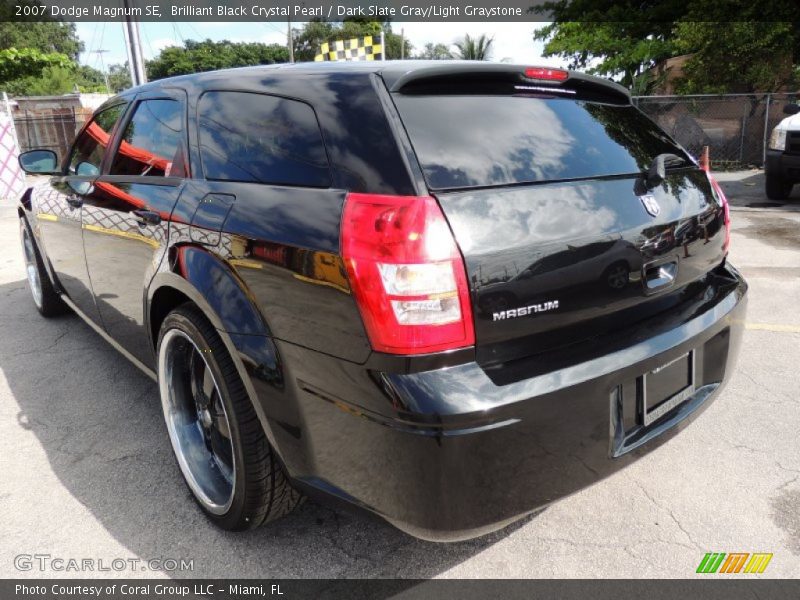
[139, 53]
[383, 45]
[134, 45]
[290, 40]
[402, 43]
[131, 67]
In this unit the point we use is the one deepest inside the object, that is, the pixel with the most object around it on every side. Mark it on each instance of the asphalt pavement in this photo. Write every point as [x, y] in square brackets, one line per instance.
[88, 472]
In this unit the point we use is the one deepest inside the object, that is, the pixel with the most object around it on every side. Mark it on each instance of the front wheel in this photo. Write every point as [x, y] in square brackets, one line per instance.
[777, 187]
[219, 443]
[45, 297]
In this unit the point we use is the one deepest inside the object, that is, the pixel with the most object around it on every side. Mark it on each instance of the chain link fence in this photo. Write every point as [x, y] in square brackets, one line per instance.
[12, 179]
[735, 127]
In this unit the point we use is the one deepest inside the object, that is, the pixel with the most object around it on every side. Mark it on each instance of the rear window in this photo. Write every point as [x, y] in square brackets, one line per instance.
[262, 139]
[472, 141]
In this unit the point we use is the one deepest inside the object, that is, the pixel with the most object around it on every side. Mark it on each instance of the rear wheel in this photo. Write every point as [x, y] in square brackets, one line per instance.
[218, 440]
[46, 299]
[777, 187]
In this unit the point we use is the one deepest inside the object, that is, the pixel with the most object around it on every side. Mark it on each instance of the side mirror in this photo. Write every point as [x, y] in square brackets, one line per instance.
[86, 169]
[791, 109]
[39, 162]
[82, 188]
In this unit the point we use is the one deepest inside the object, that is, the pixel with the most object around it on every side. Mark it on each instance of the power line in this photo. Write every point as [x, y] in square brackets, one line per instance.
[177, 31]
[197, 33]
[147, 39]
[92, 40]
[99, 54]
[100, 45]
[274, 27]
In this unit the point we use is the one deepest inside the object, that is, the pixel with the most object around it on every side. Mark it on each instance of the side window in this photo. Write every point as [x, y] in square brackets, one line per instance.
[90, 147]
[152, 143]
[259, 138]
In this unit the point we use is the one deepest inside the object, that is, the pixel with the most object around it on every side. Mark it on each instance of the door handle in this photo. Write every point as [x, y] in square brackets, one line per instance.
[75, 201]
[147, 217]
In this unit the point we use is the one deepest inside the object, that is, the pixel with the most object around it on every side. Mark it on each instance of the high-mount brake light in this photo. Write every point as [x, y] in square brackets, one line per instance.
[406, 273]
[545, 74]
[726, 208]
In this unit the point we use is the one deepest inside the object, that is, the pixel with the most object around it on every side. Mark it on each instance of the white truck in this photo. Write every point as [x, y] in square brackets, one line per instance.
[782, 167]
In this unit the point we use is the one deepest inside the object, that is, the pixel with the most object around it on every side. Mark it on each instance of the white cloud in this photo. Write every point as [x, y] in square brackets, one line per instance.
[159, 44]
[274, 37]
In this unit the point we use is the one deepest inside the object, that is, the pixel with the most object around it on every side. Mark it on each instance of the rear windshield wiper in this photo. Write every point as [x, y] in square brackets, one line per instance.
[658, 171]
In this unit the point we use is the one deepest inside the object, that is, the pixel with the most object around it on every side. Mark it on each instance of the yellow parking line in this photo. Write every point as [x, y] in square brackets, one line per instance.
[773, 327]
[246, 263]
[124, 234]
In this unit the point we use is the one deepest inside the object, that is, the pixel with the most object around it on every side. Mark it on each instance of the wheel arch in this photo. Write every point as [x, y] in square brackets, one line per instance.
[195, 273]
[198, 277]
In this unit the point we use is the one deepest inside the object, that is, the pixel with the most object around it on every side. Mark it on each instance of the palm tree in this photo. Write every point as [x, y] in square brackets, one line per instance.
[470, 48]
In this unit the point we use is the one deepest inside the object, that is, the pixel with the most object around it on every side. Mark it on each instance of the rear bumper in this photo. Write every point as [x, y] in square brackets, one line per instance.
[787, 166]
[459, 455]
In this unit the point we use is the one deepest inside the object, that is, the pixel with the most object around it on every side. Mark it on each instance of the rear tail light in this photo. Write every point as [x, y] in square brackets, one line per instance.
[545, 74]
[726, 208]
[406, 274]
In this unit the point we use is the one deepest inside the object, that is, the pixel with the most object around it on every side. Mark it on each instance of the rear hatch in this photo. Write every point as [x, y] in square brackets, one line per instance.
[564, 238]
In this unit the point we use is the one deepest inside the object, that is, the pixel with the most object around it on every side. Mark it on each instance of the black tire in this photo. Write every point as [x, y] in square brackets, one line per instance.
[777, 187]
[260, 491]
[47, 301]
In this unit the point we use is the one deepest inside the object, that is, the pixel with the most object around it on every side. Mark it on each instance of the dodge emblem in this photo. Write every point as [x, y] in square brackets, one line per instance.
[650, 204]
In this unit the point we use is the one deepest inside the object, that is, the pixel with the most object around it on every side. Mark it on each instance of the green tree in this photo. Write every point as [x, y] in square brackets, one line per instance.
[435, 52]
[29, 72]
[28, 62]
[46, 36]
[624, 39]
[750, 57]
[308, 38]
[311, 35]
[470, 48]
[119, 78]
[89, 79]
[620, 49]
[194, 57]
[51, 81]
[39, 57]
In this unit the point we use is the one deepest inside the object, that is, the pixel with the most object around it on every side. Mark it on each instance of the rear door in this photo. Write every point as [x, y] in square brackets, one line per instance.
[59, 208]
[563, 239]
[126, 217]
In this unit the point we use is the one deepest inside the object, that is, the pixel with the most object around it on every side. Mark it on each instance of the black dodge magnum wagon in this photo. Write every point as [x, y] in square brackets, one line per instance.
[449, 294]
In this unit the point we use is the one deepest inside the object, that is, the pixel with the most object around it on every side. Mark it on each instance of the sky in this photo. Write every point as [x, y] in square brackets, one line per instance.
[512, 41]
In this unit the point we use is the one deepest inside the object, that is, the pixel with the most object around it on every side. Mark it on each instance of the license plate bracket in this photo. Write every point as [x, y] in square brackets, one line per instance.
[666, 387]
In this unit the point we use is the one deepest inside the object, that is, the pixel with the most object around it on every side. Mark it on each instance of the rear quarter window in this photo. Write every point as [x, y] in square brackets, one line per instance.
[258, 138]
[476, 140]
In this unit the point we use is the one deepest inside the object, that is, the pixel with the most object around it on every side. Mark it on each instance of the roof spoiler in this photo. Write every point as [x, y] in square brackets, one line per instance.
[460, 75]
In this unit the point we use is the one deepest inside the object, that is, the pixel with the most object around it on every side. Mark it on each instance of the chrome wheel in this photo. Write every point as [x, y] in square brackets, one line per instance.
[197, 421]
[31, 266]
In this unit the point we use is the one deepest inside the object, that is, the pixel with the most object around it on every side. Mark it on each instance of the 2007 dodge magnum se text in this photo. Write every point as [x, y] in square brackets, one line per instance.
[449, 294]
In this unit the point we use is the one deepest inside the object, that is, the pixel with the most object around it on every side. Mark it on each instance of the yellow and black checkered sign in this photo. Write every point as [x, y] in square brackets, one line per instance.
[354, 49]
